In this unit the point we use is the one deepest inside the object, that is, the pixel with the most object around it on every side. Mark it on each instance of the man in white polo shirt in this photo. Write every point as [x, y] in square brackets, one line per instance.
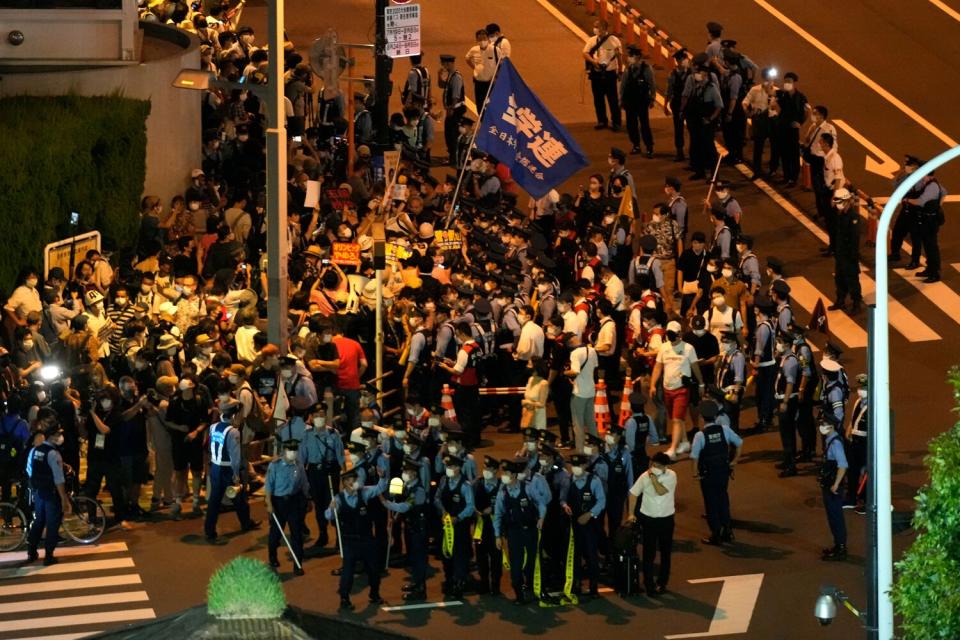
[583, 363]
[676, 362]
[657, 488]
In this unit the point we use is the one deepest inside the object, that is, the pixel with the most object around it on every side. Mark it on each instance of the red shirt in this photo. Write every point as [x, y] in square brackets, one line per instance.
[351, 354]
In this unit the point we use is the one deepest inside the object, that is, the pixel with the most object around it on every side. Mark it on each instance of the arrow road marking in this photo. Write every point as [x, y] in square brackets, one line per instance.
[738, 598]
[886, 167]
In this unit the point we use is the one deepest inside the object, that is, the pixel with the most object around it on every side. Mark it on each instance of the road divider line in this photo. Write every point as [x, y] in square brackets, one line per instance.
[842, 326]
[65, 552]
[97, 600]
[63, 636]
[905, 322]
[52, 622]
[855, 72]
[947, 9]
[424, 605]
[67, 567]
[70, 585]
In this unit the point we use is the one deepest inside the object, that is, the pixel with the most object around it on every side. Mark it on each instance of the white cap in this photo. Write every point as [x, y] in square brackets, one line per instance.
[674, 326]
[842, 194]
[196, 173]
[426, 231]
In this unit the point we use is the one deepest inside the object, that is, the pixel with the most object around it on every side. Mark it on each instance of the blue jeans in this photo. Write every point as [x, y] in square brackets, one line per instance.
[47, 514]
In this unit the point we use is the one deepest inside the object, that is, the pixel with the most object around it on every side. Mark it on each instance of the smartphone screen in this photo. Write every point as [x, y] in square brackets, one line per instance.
[74, 218]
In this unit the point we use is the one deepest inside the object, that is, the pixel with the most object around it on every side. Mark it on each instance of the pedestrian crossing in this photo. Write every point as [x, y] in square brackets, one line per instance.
[53, 603]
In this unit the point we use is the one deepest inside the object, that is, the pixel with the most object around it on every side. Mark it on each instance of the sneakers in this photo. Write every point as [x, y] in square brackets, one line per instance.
[849, 505]
[671, 454]
[861, 509]
[684, 447]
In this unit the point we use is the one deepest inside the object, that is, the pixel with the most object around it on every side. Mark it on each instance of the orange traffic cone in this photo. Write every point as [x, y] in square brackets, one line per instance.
[601, 408]
[446, 403]
[625, 411]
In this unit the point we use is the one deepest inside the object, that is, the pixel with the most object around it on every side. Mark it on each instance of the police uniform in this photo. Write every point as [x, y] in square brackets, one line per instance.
[614, 467]
[46, 481]
[455, 498]
[374, 464]
[703, 105]
[711, 453]
[847, 254]
[455, 107]
[419, 364]
[321, 453]
[585, 497]
[225, 467]
[833, 393]
[519, 507]
[765, 364]
[784, 317]
[788, 375]
[412, 505]
[556, 533]
[288, 491]
[489, 558]
[674, 98]
[637, 95]
[637, 433]
[731, 378]
[834, 459]
[857, 449]
[351, 508]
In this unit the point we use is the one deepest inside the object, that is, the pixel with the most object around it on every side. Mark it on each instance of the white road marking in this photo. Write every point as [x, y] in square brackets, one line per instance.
[738, 599]
[424, 605]
[564, 20]
[842, 326]
[886, 167]
[69, 585]
[67, 567]
[74, 601]
[77, 619]
[942, 296]
[64, 552]
[63, 636]
[947, 198]
[943, 6]
[901, 319]
[859, 75]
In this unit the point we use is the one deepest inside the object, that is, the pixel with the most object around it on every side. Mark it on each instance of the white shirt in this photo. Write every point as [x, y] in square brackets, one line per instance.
[832, 168]
[23, 301]
[813, 137]
[653, 504]
[606, 54]
[613, 290]
[530, 344]
[583, 360]
[676, 361]
[719, 321]
[246, 352]
[607, 335]
[483, 62]
[571, 324]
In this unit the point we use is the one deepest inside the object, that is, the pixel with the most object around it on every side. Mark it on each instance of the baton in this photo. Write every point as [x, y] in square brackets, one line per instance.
[713, 181]
[336, 517]
[389, 538]
[296, 561]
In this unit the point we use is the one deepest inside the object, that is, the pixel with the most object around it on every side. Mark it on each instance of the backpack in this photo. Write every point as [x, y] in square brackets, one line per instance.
[11, 449]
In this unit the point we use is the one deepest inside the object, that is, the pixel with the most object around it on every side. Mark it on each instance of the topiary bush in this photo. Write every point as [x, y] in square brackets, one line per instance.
[926, 595]
[245, 588]
[64, 154]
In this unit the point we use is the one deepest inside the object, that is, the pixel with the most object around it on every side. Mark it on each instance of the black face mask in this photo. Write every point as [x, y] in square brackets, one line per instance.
[671, 335]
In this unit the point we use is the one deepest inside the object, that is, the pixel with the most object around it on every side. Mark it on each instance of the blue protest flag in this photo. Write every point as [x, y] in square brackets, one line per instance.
[519, 131]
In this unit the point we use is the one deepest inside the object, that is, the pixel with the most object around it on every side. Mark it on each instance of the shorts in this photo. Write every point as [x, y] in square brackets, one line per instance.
[187, 455]
[676, 402]
[134, 469]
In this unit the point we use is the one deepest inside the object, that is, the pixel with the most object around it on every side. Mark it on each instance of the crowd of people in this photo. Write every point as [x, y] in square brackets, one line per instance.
[165, 374]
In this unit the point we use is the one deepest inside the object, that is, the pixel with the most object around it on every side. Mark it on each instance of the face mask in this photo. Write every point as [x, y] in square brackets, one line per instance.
[588, 451]
[607, 220]
[354, 459]
[699, 332]
[327, 339]
[233, 379]
[41, 396]
[106, 405]
[609, 439]
[507, 478]
[139, 365]
[31, 283]
[825, 429]
[407, 476]
[172, 351]
[546, 464]
[698, 77]
[522, 476]
[189, 291]
[433, 421]
[718, 301]
[727, 273]
[723, 194]
[286, 374]
[711, 268]
[399, 435]
[451, 472]
[194, 206]
[657, 217]
[289, 455]
[488, 474]
[577, 471]
[862, 393]
[415, 322]
[224, 398]
[242, 139]
[656, 472]
[407, 449]
[788, 86]
[146, 288]
[206, 350]
[27, 345]
[530, 446]
[454, 449]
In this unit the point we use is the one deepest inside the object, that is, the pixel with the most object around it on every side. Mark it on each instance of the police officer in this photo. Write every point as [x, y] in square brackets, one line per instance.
[731, 376]
[636, 432]
[701, 108]
[780, 292]
[453, 446]
[417, 378]
[833, 392]
[413, 505]
[454, 504]
[713, 466]
[351, 508]
[50, 500]
[286, 497]
[518, 515]
[809, 377]
[489, 563]
[615, 469]
[857, 449]
[749, 267]
[584, 503]
[787, 396]
[847, 251]
[555, 524]
[832, 472]
[929, 215]
[673, 99]
[321, 453]
[225, 467]
[637, 95]
[906, 222]
[466, 375]
[373, 465]
[764, 362]
[454, 103]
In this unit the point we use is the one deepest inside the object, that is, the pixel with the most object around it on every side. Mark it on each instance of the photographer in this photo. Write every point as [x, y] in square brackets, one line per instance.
[103, 461]
[131, 444]
[188, 417]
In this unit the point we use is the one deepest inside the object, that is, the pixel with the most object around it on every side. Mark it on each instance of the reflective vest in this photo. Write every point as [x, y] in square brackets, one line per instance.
[219, 454]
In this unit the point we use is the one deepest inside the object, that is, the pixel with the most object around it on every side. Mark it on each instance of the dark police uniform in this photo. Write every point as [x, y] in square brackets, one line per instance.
[455, 107]
[286, 484]
[489, 562]
[518, 508]
[46, 472]
[730, 372]
[704, 98]
[615, 470]
[637, 431]
[711, 450]
[225, 466]
[674, 97]
[766, 372]
[637, 91]
[413, 505]
[586, 495]
[805, 422]
[834, 458]
[556, 535]
[847, 257]
[322, 455]
[356, 537]
[788, 373]
[455, 497]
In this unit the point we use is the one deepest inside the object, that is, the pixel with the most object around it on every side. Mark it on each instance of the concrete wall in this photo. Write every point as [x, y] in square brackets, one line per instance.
[173, 127]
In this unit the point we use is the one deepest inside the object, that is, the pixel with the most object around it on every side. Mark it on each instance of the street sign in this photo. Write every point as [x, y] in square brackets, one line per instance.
[57, 254]
[402, 30]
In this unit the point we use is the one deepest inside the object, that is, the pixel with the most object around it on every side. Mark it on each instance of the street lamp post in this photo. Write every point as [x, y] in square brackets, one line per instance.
[880, 405]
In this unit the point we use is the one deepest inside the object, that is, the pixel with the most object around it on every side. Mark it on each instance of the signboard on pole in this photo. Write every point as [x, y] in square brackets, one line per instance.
[402, 30]
[345, 253]
[57, 254]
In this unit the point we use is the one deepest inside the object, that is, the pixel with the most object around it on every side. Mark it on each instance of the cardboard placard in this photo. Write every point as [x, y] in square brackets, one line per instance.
[345, 253]
[447, 239]
[312, 198]
[395, 253]
[339, 198]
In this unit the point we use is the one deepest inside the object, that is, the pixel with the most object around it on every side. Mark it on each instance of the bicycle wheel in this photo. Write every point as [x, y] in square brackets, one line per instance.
[87, 522]
[13, 527]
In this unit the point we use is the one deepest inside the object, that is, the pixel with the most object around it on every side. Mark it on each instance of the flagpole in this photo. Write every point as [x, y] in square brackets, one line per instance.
[473, 140]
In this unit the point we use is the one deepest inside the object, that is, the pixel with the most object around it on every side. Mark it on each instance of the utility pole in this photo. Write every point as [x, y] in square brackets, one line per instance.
[382, 85]
[276, 183]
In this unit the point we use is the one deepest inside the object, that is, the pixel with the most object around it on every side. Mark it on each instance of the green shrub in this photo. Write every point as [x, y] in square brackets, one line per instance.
[64, 154]
[926, 594]
[245, 588]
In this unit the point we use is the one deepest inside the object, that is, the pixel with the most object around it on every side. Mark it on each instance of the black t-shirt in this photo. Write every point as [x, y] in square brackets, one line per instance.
[192, 412]
[706, 347]
[130, 436]
[690, 265]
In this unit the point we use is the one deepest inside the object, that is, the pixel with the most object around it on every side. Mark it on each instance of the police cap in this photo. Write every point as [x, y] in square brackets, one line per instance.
[634, 50]
[709, 409]
[781, 288]
[592, 439]
[350, 473]
[728, 44]
[546, 449]
[776, 264]
[548, 436]
[409, 464]
[618, 154]
[447, 57]
[453, 461]
[531, 433]
[490, 462]
[680, 55]
[579, 460]
[745, 239]
[672, 181]
[829, 365]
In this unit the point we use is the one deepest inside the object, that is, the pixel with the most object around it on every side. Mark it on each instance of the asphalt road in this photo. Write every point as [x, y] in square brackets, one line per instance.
[905, 48]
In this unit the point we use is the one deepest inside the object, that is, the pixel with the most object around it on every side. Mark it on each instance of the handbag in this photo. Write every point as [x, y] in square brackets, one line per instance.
[526, 417]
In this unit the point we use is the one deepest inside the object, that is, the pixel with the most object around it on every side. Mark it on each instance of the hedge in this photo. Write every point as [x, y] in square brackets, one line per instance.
[63, 154]
[926, 595]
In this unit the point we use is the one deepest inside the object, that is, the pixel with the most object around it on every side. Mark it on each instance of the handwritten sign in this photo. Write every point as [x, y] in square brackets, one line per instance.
[396, 253]
[339, 198]
[345, 253]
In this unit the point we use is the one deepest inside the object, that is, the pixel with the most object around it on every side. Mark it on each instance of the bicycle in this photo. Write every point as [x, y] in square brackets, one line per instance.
[85, 525]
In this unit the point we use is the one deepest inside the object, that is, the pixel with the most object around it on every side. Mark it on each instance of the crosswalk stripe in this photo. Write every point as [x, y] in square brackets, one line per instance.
[63, 636]
[65, 552]
[842, 326]
[77, 619]
[902, 319]
[74, 601]
[67, 567]
[70, 585]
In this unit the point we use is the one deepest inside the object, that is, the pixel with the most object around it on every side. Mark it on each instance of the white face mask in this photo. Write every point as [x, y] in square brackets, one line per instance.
[727, 273]
[27, 345]
[488, 474]
[408, 449]
[723, 194]
[657, 217]
[862, 393]
[451, 472]
[233, 379]
[224, 398]
[31, 283]
[609, 439]
[454, 449]
[407, 476]
[530, 446]
[354, 459]
[825, 429]
[522, 476]
[366, 424]
[289, 455]
[577, 471]
[184, 385]
[146, 288]
[106, 404]
[41, 396]
[588, 451]
[507, 478]
[546, 464]
[286, 374]
[120, 302]
[788, 86]
[194, 206]
[699, 332]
